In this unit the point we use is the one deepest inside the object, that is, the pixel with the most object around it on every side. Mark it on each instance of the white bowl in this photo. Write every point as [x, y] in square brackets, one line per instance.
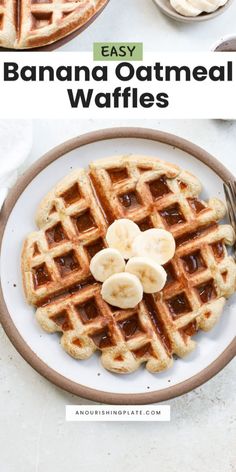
[224, 39]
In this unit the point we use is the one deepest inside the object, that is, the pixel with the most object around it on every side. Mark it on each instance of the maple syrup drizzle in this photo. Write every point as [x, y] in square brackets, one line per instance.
[119, 358]
[207, 291]
[67, 263]
[103, 202]
[129, 200]
[218, 249]
[171, 275]
[196, 205]
[182, 185]
[144, 351]
[144, 224]
[130, 326]
[118, 174]
[71, 195]
[195, 234]
[193, 262]
[172, 215]
[53, 209]
[84, 222]
[95, 247]
[36, 250]
[68, 292]
[102, 339]
[62, 319]
[157, 321]
[55, 235]
[159, 188]
[88, 311]
[178, 305]
[144, 169]
[41, 276]
[189, 330]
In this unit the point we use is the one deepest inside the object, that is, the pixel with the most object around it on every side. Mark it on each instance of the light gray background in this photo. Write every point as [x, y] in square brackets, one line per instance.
[141, 20]
[34, 436]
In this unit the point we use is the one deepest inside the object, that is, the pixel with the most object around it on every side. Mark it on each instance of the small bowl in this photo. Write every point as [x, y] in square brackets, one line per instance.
[168, 10]
[225, 44]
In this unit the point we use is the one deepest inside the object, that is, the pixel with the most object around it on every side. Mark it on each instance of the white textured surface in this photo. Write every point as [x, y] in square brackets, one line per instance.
[141, 20]
[34, 436]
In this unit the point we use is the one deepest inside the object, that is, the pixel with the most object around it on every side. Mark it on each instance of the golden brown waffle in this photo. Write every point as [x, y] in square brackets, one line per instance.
[73, 219]
[34, 23]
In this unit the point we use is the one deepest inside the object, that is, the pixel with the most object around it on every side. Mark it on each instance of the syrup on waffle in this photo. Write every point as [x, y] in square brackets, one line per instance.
[34, 23]
[73, 219]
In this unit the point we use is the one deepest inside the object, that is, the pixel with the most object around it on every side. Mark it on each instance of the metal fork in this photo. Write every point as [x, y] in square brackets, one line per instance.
[230, 196]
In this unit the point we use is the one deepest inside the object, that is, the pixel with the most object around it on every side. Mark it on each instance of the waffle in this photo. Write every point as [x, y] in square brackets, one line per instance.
[73, 219]
[34, 23]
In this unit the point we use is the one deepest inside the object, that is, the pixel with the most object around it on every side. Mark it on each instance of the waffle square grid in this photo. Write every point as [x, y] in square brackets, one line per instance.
[73, 219]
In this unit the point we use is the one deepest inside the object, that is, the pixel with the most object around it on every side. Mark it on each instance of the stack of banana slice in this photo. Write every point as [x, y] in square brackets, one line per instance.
[196, 7]
[145, 253]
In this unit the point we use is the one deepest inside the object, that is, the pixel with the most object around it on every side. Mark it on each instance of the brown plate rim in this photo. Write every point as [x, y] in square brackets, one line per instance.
[6, 320]
[64, 39]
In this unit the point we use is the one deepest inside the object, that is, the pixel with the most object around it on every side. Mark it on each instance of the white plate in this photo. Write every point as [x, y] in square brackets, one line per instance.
[90, 373]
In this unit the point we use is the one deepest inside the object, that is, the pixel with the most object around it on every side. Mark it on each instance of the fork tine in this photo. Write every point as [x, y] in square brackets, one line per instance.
[229, 203]
[230, 195]
[231, 187]
[234, 187]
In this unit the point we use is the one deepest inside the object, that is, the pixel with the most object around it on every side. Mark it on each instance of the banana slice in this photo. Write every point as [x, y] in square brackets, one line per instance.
[151, 275]
[120, 236]
[122, 290]
[106, 263]
[185, 8]
[156, 244]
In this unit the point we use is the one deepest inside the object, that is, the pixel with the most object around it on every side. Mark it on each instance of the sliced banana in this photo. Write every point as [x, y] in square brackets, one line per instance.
[156, 244]
[185, 8]
[122, 290]
[106, 263]
[151, 275]
[195, 7]
[120, 235]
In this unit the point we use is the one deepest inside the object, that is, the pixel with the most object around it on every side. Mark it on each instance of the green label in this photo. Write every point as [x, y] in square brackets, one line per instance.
[118, 51]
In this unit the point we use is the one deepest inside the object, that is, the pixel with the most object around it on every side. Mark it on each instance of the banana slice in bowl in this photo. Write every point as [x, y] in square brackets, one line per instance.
[196, 7]
[187, 11]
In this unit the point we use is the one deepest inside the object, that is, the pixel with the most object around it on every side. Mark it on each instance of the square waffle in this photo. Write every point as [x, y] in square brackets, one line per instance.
[34, 23]
[73, 219]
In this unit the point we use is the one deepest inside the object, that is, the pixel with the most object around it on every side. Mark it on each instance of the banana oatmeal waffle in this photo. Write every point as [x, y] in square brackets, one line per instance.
[73, 220]
[35, 23]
